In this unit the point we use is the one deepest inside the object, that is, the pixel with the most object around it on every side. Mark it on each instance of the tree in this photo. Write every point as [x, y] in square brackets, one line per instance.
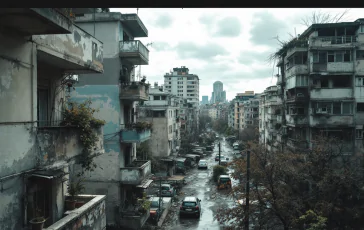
[318, 17]
[203, 121]
[288, 187]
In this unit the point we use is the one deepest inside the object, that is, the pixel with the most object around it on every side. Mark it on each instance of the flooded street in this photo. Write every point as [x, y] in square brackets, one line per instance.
[201, 185]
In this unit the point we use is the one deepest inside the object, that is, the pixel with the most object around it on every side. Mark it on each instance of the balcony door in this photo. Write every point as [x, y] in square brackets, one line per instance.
[42, 109]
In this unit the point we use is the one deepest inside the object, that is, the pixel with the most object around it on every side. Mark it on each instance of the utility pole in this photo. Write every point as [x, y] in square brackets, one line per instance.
[219, 153]
[247, 189]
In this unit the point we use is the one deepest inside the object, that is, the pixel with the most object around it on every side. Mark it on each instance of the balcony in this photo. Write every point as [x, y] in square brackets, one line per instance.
[77, 52]
[328, 120]
[134, 91]
[296, 144]
[299, 97]
[91, 215]
[134, 52]
[131, 218]
[300, 47]
[35, 21]
[57, 144]
[135, 173]
[297, 70]
[332, 93]
[135, 25]
[136, 132]
[296, 120]
[333, 67]
[333, 41]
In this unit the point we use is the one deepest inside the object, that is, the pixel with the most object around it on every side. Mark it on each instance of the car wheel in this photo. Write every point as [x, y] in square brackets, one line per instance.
[198, 214]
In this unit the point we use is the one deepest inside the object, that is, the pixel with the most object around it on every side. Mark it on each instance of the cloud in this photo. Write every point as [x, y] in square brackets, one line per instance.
[164, 21]
[248, 57]
[228, 27]
[265, 27]
[161, 46]
[207, 19]
[190, 50]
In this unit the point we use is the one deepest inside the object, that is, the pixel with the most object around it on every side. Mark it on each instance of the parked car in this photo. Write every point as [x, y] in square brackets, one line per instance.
[191, 206]
[217, 157]
[167, 190]
[156, 208]
[224, 181]
[202, 164]
[224, 162]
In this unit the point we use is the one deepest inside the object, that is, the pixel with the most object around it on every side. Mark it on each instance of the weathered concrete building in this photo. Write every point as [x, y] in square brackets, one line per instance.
[238, 108]
[118, 174]
[320, 84]
[162, 111]
[41, 51]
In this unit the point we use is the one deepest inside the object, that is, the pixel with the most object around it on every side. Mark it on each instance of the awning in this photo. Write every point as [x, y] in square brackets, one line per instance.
[48, 174]
[145, 184]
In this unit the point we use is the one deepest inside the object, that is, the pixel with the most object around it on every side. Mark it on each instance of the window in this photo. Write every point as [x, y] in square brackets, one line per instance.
[324, 83]
[360, 55]
[315, 57]
[157, 98]
[169, 79]
[347, 56]
[301, 80]
[336, 108]
[163, 98]
[360, 81]
[347, 108]
[359, 134]
[330, 56]
[360, 107]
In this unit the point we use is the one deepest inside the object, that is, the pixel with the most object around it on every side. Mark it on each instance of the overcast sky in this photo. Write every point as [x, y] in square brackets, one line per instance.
[229, 45]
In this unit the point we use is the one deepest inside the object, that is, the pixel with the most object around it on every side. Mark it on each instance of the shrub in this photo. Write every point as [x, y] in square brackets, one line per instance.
[217, 171]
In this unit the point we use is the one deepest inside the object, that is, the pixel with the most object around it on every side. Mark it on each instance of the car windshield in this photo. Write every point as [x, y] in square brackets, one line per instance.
[224, 179]
[154, 204]
[165, 188]
[202, 162]
[220, 156]
[189, 204]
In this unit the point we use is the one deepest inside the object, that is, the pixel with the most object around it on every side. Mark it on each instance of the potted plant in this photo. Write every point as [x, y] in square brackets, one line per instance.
[74, 189]
[38, 221]
[144, 204]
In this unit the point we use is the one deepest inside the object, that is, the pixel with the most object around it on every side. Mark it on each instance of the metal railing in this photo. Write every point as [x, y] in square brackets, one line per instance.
[337, 39]
[134, 46]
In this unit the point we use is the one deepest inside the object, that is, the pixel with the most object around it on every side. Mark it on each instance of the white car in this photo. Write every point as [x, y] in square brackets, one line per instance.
[202, 164]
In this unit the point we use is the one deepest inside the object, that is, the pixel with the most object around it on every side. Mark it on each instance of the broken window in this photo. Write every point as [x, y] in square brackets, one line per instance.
[360, 55]
[360, 81]
[341, 82]
[359, 134]
[324, 83]
[336, 108]
[360, 107]
[347, 56]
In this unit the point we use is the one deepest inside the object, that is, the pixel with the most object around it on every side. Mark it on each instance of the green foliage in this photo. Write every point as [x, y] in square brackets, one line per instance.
[217, 171]
[311, 221]
[75, 188]
[82, 116]
[140, 126]
[144, 203]
[142, 150]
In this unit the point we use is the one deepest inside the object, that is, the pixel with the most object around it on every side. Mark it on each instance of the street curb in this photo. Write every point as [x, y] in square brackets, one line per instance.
[164, 214]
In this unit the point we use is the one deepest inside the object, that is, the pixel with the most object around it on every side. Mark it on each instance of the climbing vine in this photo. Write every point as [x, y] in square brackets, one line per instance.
[81, 115]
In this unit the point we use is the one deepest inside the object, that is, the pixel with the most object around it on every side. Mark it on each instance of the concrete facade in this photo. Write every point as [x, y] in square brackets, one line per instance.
[319, 88]
[115, 94]
[162, 110]
[37, 58]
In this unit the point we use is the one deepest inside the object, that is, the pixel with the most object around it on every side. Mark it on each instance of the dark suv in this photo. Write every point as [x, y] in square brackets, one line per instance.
[191, 206]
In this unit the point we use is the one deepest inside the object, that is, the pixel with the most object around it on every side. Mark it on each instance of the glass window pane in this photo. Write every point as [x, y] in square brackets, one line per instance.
[336, 108]
[347, 108]
[339, 57]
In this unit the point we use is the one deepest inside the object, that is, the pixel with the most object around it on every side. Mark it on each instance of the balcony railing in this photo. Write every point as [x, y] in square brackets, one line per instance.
[135, 133]
[134, 91]
[134, 52]
[135, 173]
[59, 143]
[131, 218]
[91, 214]
[334, 40]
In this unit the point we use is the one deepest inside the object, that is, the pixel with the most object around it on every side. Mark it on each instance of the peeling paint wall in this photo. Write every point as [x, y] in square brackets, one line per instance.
[90, 216]
[331, 93]
[105, 178]
[79, 47]
[331, 120]
[158, 141]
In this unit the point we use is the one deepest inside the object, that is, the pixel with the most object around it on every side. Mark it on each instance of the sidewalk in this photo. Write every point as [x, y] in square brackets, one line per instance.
[167, 205]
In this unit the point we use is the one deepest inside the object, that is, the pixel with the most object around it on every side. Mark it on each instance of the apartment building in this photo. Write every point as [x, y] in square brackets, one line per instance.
[115, 93]
[181, 83]
[320, 80]
[250, 113]
[231, 114]
[42, 51]
[162, 110]
[238, 108]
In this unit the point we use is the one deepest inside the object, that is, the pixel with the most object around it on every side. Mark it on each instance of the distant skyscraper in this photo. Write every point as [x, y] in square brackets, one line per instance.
[205, 100]
[218, 94]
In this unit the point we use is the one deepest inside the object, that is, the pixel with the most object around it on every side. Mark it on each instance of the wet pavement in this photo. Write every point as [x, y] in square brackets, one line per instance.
[201, 185]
